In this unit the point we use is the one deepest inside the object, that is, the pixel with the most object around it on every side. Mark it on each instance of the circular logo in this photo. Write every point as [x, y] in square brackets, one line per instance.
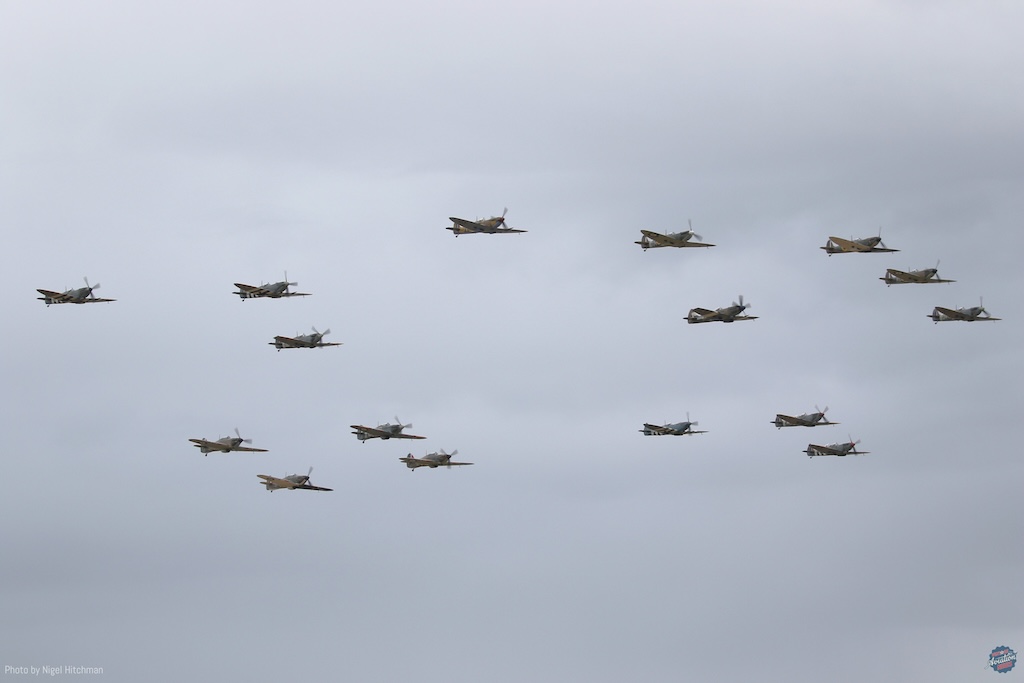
[1002, 659]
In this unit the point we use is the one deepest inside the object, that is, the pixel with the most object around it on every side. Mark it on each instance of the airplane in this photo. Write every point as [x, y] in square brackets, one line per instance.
[840, 449]
[815, 419]
[292, 481]
[921, 277]
[865, 245]
[274, 291]
[653, 240]
[726, 315]
[432, 460]
[672, 429]
[305, 341]
[225, 444]
[969, 315]
[385, 431]
[491, 226]
[82, 295]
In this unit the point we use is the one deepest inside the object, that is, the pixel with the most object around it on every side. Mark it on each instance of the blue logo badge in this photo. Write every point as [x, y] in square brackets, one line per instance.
[1002, 659]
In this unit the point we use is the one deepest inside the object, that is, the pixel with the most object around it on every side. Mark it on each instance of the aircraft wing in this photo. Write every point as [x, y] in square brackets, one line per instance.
[508, 230]
[249, 450]
[211, 445]
[310, 487]
[656, 429]
[406, 436]
[52, 295]
[456, 464]
[788, 421]
[821, 450]
[283, 294]
[252, 290]
[659, 239]
[741, 317]
[466, 225]
[276, 481]
[898, 277]
[289, 342]
[701, 315]
[846, 245]
[90, 300]
[950, 313]
[370, 432]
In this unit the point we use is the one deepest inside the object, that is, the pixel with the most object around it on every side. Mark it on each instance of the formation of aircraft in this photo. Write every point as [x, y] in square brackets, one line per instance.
[276, 290]
[970, 315]
[913, 277]
[490, 226]
[225, 444]
[865, 245]
[839, 449]
[672, 429]
[727, 314]
[384, 431]
[432, 460]
[654, 240]
[305, 341]
[82, 295]
[815, 419]
[291, 481]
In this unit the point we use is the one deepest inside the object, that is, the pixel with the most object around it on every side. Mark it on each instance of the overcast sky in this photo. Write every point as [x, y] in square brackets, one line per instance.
[168, 150]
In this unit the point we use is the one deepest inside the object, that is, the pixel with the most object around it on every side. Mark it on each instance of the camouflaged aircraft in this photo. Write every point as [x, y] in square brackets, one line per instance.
[432, 460]
[305, 341]
[838, 449]
[727, 314]
[969, 315]
[292, 481]
[225, 444]
[815, 419]
[865, 245]
[490, 226]
[654, 240]
[385, 431]
[913, 277]
[278, 290]
[672, 428]
[82, 295]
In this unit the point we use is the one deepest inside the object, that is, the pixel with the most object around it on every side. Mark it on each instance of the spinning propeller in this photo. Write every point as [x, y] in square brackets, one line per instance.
[240, 437]
[692, 233]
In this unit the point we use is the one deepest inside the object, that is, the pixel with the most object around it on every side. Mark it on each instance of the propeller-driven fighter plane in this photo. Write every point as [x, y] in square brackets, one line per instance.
[865, 245]
[225, 444]
[491, 226]
[815, 419]
[727, 314]
[432, 460]
[292, 481]
[968, 315]
[305, 341]
[918, 277]
[672, 428]
[82, 295]
[653, 240]
[277, 290]
[840, 449]
[385, 431]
